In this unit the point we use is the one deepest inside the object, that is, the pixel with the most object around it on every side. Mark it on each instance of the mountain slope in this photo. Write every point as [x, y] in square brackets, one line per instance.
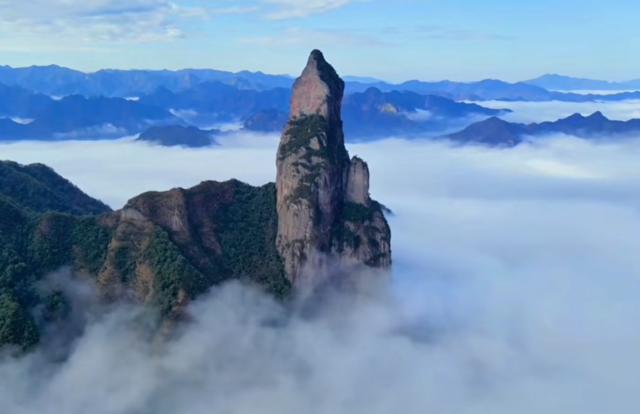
[38, 189]
[40, 231]
[162, 250]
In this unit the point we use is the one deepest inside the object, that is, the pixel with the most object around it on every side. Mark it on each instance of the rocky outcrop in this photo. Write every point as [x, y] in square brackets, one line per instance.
[169, 247]
[325, 214]
[357, 190]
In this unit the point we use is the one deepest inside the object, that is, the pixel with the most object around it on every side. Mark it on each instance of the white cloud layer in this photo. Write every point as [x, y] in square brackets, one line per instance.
[515, 290]
[92, 21]
[88, 22]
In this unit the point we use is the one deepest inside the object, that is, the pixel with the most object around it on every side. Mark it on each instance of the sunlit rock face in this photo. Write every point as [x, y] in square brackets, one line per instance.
[325, 214]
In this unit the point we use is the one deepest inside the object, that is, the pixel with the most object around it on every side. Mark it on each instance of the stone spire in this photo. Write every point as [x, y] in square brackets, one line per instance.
[324, 210]
[318, 91]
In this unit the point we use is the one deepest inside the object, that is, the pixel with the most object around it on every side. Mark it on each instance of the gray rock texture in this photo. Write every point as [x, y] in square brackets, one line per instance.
[325, 214]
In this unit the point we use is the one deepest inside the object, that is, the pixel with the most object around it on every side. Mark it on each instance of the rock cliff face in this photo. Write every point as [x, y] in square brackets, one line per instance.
[325, 214]
[169, 247]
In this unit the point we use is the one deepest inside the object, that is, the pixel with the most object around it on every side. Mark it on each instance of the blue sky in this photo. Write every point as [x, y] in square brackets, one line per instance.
[394, 40]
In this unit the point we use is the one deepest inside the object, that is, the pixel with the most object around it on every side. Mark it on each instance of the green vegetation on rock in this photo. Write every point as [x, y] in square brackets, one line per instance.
[17, 326]
[226, 231]
[173, 273]
[248, 229]
[300, 131]
[358, 213]
[38, 236]
[39, 189]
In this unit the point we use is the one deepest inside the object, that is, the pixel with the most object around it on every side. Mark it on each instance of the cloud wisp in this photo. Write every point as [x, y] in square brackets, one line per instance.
[291, 9]
[515, 289]
[300, 37]
[91, 22]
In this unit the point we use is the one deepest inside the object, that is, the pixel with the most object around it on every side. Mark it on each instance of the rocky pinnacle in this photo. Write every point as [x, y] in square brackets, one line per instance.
[325, 215]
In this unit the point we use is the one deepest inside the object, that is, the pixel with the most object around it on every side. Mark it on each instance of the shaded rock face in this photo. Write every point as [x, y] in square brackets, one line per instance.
[325, 214]
[357, 190]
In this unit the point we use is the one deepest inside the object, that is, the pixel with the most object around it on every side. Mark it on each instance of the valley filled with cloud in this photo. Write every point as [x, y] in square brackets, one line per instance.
[319, 207]
[514, 289]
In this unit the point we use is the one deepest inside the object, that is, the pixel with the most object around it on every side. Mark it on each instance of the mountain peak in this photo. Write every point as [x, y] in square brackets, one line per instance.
[325, 215]
[317, 55]
[577, 116]
[319, 90]
[494, 120]
[491, 131]
[598, 116]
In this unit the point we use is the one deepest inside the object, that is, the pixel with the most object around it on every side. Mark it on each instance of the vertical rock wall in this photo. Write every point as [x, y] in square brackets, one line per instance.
[325, 213]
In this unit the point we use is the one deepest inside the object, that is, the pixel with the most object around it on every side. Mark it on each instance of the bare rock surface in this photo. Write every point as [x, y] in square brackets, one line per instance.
[325, 214]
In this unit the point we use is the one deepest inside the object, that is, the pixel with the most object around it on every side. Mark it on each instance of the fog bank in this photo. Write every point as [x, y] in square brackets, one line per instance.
[515, 290]
[529, 112]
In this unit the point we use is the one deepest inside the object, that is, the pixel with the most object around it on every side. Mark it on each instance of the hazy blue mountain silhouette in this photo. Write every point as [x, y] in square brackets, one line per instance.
[568, 83]
[45, 118]
[178, 135]
[373, 114]
[60, 81]
[498, 132]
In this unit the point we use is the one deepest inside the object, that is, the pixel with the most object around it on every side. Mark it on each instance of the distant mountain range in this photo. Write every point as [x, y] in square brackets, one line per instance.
[374, 114]
[491, 89]
[53, 102]
[28, 115]
[367, 115]
[497, 132]
[60, 81]
[218, 100]
[567, 83]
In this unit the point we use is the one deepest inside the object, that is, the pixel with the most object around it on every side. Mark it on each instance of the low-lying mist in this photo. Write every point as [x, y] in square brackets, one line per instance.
[528, 112]
[515, 289]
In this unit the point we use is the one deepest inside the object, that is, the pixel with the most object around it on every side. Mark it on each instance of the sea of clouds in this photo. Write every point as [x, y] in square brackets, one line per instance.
[515, 289]
[529, 112]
